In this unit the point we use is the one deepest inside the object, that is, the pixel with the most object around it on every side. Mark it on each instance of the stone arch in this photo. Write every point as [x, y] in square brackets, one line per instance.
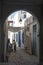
[7, 10]
[25, 10]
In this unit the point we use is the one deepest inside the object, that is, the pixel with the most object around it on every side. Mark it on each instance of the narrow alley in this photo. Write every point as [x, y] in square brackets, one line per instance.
[21, 32]
[20, 57]
[21, 35]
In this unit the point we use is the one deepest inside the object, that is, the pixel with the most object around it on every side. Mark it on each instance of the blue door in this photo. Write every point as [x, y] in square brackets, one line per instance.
[23, 37]
[19, 39]
[34, 40]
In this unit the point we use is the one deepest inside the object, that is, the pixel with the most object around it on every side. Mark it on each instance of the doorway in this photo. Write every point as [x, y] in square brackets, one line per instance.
[34, 39]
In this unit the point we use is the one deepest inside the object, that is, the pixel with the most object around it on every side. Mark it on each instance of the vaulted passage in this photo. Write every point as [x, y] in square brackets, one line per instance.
[21, 38]
[33, 7]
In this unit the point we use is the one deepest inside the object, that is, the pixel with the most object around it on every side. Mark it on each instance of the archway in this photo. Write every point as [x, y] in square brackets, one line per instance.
[34, 27]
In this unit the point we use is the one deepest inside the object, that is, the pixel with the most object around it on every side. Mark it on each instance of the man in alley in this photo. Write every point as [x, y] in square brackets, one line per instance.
[14, 46]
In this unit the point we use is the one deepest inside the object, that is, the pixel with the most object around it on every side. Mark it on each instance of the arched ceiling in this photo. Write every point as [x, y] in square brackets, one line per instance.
[23, 1]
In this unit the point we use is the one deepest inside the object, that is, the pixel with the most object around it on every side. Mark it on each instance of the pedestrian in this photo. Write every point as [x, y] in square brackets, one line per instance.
[7, 49]
[14, 46]
[8, 44]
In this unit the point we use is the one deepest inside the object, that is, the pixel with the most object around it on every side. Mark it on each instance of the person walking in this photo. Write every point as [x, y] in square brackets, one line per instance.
[14, 46]
[7, 49]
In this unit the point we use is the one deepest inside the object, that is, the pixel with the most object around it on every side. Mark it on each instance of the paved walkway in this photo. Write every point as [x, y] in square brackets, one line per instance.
[20, 57]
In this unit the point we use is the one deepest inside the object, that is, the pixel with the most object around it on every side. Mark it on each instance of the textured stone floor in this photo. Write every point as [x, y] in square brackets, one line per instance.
[20, 57]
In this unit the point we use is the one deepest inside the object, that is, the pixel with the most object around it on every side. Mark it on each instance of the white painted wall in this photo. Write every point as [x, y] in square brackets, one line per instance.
[10, 34]
[31, 31]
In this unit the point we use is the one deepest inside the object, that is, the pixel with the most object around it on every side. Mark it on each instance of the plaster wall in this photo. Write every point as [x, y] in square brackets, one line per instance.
[6, 38]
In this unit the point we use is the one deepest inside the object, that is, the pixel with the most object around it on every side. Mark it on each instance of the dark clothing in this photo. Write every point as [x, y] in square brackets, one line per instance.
[15, 48]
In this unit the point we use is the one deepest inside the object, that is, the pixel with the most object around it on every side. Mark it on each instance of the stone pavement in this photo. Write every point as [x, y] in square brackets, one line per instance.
[20, 57]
